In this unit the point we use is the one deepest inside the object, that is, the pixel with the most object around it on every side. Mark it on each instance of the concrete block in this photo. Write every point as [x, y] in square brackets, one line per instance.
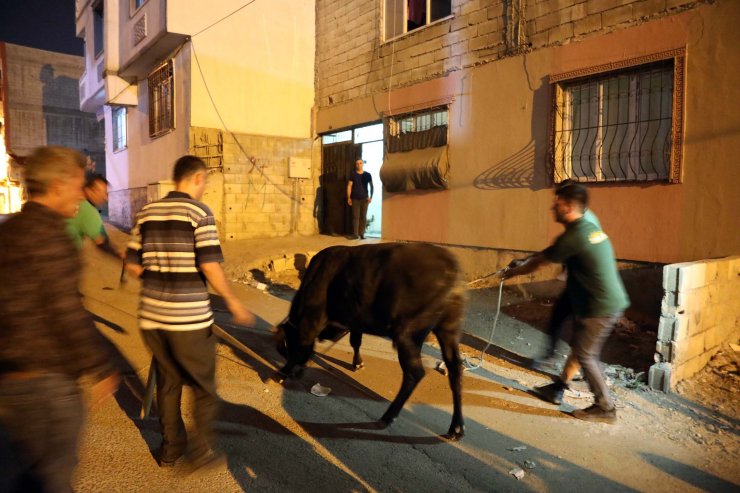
[664, 350]
[670, 277]
[688, 348]
[691, 367]
[560, 33]
[587, 24]
[616, 16]
[647, 8]
[659, 377]
[665, 327]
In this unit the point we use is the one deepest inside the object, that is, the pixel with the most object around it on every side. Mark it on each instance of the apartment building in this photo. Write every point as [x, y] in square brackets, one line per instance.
[483, 105]
[228, 80]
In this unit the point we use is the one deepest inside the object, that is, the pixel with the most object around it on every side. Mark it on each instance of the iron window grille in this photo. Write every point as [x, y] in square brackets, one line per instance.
[619, 125]
[397, 126]
[119, 117]
[161, 100]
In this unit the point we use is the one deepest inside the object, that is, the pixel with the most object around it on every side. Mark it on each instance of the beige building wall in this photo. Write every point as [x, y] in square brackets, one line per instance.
[492, 66]
[253, 81]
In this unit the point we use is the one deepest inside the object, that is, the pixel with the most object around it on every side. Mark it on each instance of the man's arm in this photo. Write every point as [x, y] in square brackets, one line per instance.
[372, 190]
[133, 253]
[349, 192]
[525, 266]
[217, 279]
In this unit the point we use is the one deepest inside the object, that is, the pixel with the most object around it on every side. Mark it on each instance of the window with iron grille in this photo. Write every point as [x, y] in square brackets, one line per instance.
[119, 127]
[402, 16]
[427, 128]
[161, 100]
[619, 126]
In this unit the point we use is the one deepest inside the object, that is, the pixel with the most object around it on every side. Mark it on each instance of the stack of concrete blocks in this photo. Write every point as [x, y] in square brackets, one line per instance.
[261, 200]
[700, 312]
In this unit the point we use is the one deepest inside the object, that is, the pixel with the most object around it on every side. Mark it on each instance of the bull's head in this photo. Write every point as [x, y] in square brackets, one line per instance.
[290, 345]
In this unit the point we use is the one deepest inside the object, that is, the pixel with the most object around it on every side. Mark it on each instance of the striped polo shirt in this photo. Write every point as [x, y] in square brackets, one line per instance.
[172, 237]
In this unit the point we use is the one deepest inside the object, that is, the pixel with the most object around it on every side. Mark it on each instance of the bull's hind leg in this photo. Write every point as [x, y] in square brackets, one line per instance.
[409, 356]
[355, 340]
[448, 334]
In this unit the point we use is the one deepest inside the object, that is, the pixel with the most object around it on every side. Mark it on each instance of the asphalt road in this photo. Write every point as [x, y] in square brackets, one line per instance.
[286, 439]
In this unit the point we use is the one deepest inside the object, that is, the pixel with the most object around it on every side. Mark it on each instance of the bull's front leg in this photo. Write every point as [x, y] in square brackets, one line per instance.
[409, 356]
[355, 340]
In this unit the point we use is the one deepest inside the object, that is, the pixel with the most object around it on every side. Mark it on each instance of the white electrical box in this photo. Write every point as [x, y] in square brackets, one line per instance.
[299, 167]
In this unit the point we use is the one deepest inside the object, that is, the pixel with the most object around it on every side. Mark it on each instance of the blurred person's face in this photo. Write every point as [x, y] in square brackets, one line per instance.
[358, 165]
[65, 194]
[97, 193]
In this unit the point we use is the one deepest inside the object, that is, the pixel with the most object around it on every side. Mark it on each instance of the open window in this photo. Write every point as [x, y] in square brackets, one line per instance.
[416, 151]
[402, 16]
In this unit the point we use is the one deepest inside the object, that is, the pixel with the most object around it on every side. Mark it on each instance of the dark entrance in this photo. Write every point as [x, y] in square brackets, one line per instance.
[338, 162]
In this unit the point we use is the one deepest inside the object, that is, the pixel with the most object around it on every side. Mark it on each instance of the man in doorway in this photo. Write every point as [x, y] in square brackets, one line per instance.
[360, 192]
[596, 294]
[47, 338]
[175, 249]
[87, 223]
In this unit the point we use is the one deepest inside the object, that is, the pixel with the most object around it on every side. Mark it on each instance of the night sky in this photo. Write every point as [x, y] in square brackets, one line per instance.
[44, 24]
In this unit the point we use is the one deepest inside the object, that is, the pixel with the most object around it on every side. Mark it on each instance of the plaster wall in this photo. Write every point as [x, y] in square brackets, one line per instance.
[257, 66]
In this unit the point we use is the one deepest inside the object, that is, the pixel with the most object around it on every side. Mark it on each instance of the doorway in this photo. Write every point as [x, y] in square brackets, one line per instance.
[339, 152]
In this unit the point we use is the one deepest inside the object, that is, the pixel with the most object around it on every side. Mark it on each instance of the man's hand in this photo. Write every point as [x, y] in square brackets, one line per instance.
[369, 199]
[134, 270]
[104, 389]
[239, 312]
[349, 201]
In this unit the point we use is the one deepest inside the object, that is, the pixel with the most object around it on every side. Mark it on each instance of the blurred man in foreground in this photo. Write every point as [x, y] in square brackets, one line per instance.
[47, 339]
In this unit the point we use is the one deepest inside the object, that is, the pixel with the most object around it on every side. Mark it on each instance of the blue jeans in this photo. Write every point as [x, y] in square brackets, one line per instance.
[41, 419]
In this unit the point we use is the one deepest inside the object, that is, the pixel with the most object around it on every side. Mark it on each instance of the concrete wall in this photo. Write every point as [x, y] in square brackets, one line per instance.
[497, 87]
[700, 311]
[42, 103]
[259, 197]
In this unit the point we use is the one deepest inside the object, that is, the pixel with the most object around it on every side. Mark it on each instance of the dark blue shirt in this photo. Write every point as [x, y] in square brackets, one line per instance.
[360, 183]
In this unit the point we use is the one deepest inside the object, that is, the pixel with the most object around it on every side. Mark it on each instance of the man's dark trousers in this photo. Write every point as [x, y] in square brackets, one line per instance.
[184, 358]
[43, 418]
[359, 216]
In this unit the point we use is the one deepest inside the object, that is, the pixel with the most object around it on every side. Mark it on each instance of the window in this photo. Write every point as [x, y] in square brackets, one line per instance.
[418, 130]
[336, 137]
[619, 126]
[119, 127]
[402, 16]
[161, 100]
[98, 23]
[136, 5]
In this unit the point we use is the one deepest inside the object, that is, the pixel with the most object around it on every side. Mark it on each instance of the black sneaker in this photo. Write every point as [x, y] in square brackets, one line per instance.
[552, 393]
[596, 414]
[205, 462]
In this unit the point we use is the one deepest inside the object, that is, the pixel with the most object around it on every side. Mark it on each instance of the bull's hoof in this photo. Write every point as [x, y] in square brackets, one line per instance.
[454, 434]
[385, 422]
[359, 366]
[279, 377]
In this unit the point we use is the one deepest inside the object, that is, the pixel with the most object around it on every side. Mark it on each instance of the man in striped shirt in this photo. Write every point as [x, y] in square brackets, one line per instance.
[174, 249]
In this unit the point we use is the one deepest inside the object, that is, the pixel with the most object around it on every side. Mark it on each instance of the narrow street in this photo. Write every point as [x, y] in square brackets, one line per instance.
[286, 439]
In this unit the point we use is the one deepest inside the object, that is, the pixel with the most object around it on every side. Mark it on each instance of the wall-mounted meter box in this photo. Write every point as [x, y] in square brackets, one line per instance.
[299, 167]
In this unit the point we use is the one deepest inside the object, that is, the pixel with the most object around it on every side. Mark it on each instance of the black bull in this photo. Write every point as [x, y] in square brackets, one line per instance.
[400, 291]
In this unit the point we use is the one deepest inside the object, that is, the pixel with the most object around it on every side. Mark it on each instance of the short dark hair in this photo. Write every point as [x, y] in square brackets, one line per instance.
[572, 191]
[186, 166]
[91, 179]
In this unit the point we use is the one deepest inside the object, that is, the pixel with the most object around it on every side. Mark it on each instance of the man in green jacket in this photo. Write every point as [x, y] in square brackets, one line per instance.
[596, 294]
